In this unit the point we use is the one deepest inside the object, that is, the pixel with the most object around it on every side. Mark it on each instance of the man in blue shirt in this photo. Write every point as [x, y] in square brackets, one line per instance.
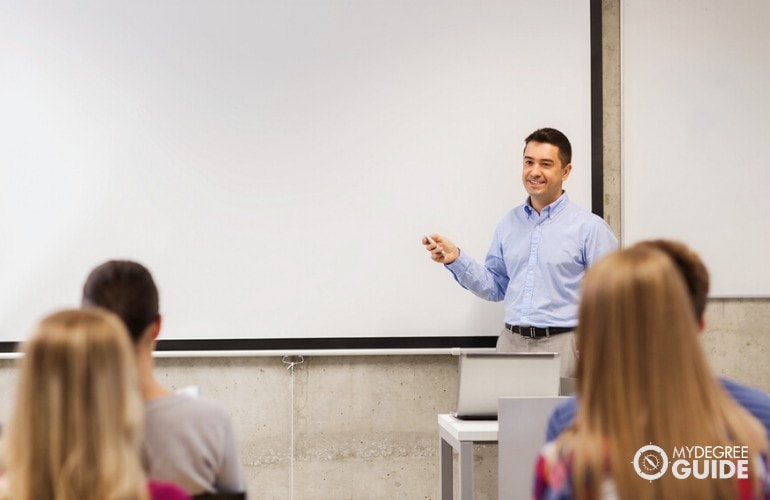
[696, 278]
[539, 253]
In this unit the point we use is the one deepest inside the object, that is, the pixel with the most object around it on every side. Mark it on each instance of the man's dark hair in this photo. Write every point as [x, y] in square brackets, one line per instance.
[692, 268]
[555, 137]
[127, 289]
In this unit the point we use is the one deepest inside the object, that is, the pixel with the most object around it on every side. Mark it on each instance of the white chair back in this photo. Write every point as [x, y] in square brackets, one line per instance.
[521, 434]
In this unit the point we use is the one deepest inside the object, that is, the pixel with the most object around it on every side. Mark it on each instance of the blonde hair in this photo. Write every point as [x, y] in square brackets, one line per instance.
[643, 378]
[75, 429]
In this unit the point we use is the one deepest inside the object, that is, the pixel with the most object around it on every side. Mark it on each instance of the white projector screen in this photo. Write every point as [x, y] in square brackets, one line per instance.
[275, 164]
[696, 103]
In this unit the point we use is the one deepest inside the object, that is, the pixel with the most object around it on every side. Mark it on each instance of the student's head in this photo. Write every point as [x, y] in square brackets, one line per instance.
[546, 165]
[694, 272]
[75, 429]
[643, 377]
[631, 315]
[127, 289]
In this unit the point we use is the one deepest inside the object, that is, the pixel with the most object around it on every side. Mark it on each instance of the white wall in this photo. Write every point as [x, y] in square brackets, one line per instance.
[695, 125]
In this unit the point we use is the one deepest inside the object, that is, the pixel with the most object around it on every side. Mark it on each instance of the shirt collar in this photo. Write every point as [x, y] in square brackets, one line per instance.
[549, 210]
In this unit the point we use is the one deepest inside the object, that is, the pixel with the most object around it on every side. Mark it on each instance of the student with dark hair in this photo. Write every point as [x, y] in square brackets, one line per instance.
[77, 420]
[644, 383]
[538, 255]
[189, 441]
[696, 278]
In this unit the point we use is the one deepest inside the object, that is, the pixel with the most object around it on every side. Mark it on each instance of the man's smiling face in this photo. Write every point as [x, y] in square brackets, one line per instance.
[543, 173]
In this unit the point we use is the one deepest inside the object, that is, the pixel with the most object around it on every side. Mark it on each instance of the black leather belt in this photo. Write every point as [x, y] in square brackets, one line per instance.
[536, 332]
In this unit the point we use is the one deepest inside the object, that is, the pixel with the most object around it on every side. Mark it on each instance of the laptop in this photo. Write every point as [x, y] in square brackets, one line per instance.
[485, 377]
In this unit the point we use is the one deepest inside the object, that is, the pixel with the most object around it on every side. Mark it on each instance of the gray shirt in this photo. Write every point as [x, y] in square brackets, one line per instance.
[190, 442]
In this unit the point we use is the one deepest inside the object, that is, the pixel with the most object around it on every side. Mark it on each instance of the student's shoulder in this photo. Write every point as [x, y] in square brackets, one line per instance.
[746, 395]
[208, 406]
[753, 400]
[561, 417]
[568, 406]
[183, 403]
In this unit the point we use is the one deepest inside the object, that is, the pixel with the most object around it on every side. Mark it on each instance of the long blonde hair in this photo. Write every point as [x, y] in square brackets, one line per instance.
[643, 378]
[75, 429]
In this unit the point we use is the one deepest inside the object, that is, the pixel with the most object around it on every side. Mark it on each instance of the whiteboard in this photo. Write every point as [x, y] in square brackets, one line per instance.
[275, 164]
[695, 110]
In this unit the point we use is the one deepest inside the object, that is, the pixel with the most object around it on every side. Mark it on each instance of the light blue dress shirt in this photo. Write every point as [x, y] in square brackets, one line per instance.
[536, 262]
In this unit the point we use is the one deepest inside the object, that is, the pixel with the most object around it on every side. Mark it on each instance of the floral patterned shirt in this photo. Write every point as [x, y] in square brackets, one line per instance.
[553, 478]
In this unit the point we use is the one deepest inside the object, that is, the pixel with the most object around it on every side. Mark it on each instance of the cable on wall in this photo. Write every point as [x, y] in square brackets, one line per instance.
[291, 362]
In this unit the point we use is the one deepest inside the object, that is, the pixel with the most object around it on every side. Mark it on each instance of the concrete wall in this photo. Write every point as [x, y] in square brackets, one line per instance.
[356, 427]
[364, 427]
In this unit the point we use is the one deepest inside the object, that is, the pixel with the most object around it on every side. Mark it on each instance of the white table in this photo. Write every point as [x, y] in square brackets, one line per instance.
[461, 435]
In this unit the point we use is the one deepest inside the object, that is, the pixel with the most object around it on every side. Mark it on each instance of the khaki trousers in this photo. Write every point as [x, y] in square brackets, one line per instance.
[563, 343]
